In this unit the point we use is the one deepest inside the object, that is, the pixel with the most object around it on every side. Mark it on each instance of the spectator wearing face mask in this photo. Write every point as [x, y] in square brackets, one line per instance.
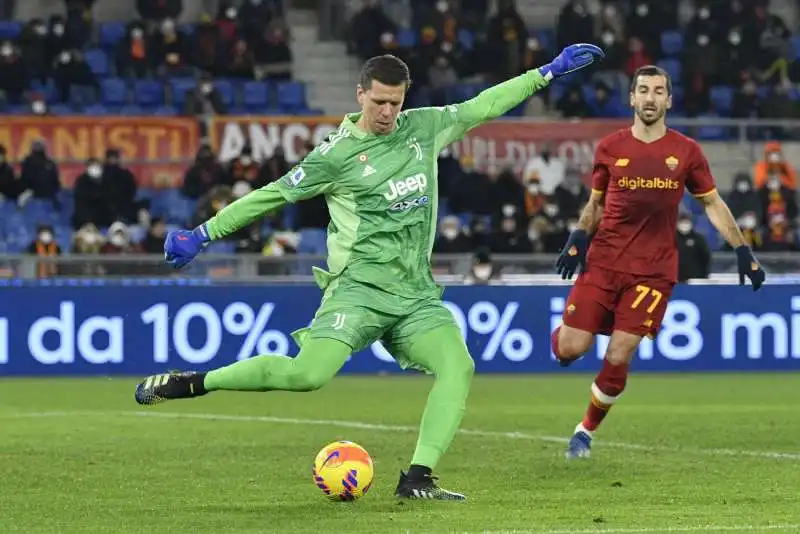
[751, 231]
[86, 241]
[45, 246]
[133, 51]
[10, 186]
[245, 168]
[14, 78]
[778, 202]
[74, 79]
[227, 21]
[170, 51]
[743, 198]
[483, 270]
[241, 62]
[779, 235]
[508, 239]
[204, 100]
[575, 23]
[33, 47]
[90, 202]
[548, 169]
[774, 166]
[534, 198]
[57, 41]
[39, 177]
[273, 55]
[694, 254]
[366, 28]
[120, 243]
[451, 239]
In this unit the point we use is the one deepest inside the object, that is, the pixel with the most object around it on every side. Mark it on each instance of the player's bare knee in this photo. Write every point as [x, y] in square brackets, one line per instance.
[573, 343]
[622, 348]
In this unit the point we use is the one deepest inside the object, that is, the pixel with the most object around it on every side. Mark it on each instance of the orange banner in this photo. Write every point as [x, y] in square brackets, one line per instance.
[265, 134]
[503, 143]
[156, 149]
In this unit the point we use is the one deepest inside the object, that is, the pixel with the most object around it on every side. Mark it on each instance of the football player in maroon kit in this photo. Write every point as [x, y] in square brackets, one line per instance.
[629, 269]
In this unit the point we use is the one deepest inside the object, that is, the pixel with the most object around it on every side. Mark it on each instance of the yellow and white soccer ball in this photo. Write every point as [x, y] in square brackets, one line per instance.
[343, 471]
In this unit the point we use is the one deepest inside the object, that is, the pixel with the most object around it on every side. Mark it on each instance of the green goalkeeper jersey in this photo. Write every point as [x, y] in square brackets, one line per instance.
[381, 190]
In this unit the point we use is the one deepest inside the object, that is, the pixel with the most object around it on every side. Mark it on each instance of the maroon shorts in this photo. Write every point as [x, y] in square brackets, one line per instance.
[602, 301]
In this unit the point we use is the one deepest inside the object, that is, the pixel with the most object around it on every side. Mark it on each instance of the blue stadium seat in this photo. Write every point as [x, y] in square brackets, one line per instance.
[466, 39]
[255, 95]
[97, 61]
[291, 96]
[113, 92]
[62, 110]
[165, 111]
[672, 66]
[110, 34]
[148, 93]
[10, 29]
[794, 51]
[179, 88]
[407, 38]
[48, 90]
[132, 110]
[547, 38]
[227, 91]
[313, 241]
[671, 42]
[722, 98]
[96, 109]
[711, 133]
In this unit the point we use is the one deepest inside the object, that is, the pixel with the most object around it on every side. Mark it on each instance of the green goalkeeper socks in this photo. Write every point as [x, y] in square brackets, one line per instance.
[443, 352]
[317, 363]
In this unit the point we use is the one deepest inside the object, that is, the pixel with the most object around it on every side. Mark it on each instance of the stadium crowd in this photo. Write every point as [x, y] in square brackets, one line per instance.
[452, 53]
[727, 58]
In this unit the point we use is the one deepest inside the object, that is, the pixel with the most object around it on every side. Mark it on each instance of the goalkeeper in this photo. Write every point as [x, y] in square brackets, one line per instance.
[378, 173]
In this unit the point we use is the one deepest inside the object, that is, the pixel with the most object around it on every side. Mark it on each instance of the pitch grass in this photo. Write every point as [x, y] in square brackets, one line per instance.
[109, 471]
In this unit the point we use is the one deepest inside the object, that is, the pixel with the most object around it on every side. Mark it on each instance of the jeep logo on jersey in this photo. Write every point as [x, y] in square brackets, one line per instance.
[406, 186]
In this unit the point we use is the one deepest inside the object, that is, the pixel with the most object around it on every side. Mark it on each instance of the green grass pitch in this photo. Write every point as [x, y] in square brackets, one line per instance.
[680, 453]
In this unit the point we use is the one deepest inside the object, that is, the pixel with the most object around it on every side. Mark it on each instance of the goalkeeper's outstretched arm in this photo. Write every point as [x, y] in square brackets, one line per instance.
[311, 177]
[245, 210]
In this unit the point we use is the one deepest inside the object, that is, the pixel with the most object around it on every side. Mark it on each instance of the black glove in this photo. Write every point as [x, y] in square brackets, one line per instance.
[749, 267]
[573, 254]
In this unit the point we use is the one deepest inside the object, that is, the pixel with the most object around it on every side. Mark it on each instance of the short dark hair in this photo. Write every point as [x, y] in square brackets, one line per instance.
[650, 70]
[386, 69]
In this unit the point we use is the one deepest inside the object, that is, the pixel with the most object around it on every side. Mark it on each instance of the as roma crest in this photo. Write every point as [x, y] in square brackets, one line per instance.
[672, 163]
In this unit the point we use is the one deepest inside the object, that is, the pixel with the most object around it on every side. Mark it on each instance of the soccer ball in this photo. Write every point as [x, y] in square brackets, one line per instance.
[343, 471]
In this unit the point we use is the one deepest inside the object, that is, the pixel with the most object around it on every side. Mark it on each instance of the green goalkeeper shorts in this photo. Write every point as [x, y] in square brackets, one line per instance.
[359, 315]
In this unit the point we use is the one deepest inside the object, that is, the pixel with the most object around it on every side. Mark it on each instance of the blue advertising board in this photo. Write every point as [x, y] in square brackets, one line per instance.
[138, 329]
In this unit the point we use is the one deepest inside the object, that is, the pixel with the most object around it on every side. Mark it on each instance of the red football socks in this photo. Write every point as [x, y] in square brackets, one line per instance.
[606, 389]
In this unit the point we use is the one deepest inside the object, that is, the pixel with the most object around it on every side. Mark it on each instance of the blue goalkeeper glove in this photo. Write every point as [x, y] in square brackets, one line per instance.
[572, 58]
[181, 246]
[573, 254]
[749, 267]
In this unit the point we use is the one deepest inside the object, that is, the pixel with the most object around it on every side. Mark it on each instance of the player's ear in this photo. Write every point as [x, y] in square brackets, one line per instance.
[669, 102]
[360, 94]
[630, 100]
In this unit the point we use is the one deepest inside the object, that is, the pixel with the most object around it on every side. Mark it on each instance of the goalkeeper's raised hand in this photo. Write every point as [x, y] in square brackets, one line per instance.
[181, 246]
[572, 58]
[573, 255]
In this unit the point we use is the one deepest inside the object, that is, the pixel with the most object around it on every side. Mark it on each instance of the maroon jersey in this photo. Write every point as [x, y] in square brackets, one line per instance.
[643, 184]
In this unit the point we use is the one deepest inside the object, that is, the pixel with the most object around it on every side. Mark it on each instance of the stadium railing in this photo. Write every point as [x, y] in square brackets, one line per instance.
[296, 269]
